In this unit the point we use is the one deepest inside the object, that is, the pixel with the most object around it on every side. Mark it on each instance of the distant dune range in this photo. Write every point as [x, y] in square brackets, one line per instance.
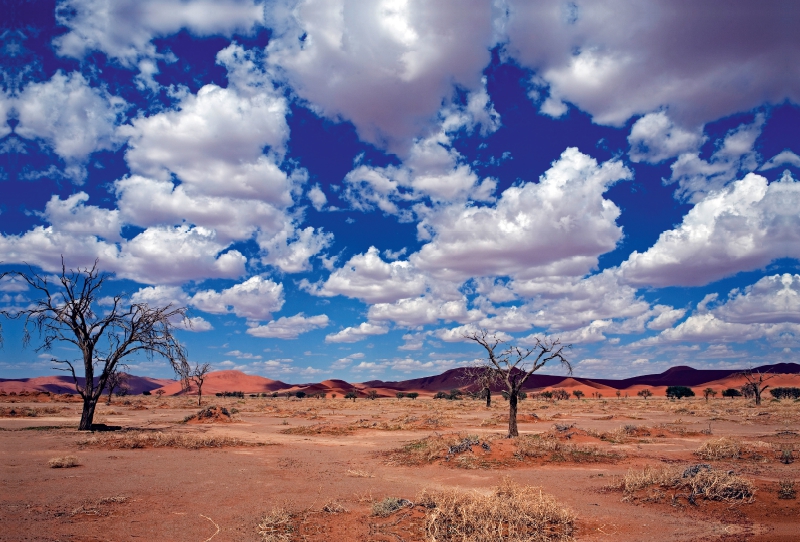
[788, 375]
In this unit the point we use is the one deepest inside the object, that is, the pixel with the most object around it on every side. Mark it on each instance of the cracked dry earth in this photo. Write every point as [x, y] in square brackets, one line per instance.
[323, 463]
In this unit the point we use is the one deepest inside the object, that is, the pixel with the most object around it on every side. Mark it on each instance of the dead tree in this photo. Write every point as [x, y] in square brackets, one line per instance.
[66, 313]
[484, 377]
[117, 382]
[755, 384]
[515, 365]
[198, 376]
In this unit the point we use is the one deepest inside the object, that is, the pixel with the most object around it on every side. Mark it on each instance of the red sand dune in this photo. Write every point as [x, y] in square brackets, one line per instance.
[220, 381]
[65, 384]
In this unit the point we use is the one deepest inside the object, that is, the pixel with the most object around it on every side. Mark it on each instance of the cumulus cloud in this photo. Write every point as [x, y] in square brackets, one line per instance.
[742, 227]
[654, 138]
[71, 117]
[369, 278]
[734, 154]
[558, 226]
[413, 312]
[291, 249]
[358, 333]
[772, 300]
[124, 29]
[289, 327]
[622, 58]
[256, 299]
[385, 66]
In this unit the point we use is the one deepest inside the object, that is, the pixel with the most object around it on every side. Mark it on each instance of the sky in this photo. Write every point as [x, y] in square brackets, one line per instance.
[344, 189]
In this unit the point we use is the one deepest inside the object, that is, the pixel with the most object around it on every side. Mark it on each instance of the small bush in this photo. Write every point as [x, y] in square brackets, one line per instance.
[731, 392]
[786, 489]
[276, 526]
[145, 392]
[722, 448]
[351, 395]
[694, 481]
[785, 393]
[412, 395]
[300, 394]
[678, 392]
[399, 394]
[65, 462]
[388, 506]
[510, 512]
[131, 440]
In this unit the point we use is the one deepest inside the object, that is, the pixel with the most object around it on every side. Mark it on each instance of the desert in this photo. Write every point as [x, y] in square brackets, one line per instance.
[267, 465]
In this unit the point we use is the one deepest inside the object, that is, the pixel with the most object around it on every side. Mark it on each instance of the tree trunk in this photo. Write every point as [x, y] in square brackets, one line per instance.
[199, 395]
[87, 416]
[512, 415]
[488, 397]
[758, 396]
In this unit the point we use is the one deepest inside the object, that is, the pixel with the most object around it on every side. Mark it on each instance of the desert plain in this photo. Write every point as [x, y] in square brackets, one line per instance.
[267, 468]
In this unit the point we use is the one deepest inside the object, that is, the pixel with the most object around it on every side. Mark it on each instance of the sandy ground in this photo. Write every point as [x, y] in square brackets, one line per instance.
[222, 493]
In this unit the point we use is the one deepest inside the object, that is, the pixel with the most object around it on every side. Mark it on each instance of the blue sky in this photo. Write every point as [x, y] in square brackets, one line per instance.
[340, 189]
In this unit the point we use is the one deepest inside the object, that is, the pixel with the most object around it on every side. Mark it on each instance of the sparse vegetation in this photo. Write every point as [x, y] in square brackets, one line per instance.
[156, 439]
[511, 512]
[731, 392]
[785, 393]
[689, 482]
[678, 392]
[388, 506]
[65, 462]
[786, 489]
[645, 393]
[722, 448]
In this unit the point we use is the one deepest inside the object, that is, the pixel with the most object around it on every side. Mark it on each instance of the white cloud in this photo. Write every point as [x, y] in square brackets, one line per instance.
[742, 227]
[317, 197]
[555, 227]
[72, 117]
[623, 58]
[195, 324]
[667, 316]
[161, 296]
[219, 133]
[413, 341]
[785, 157]
[291, 249]
[654, 138]
[73, 217]
[355, 334]
[289, 327]
[772, 300]
[735, 153]
[256, 299]
[419, 311]
[124, 29]
[385, 66]
[457, 334]
[369, 278]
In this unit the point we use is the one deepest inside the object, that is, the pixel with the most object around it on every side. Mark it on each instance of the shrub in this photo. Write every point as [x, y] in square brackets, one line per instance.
[511, 512]
[786, 490]
[785, 393]
[388, 506]
[146, 392]
[399, 394]
[677, 392]
[561, 395]
[300, 394]
[722, 448]
[698, 480]
[412, 395]
[350, 395]
[644, 393]
[372, 395]
[63, 462]
[577, 393]
[731, 392]
[441, 395]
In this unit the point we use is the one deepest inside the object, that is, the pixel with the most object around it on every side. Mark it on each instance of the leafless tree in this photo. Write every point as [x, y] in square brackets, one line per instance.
[515, 365]
[117, 382]
[755, 383]
[484, 378]
[644, 393]
[66, 313]
[709, 392]
[198, 376]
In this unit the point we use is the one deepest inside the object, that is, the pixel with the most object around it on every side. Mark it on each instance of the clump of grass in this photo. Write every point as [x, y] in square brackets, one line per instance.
[65, 462]
[276, 526]
[434, 448]
[356, 473]
[721, 448]
[212, 414]
[145, 439]
[510, 512]
[548, 446]
[389, 506]
[786, 489]
[334, 507]
[318, 429]
[699, 480]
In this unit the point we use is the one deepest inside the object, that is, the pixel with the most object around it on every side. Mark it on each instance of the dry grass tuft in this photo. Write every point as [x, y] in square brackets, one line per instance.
[721, 448]
[319, 429]
[356, 473]
[276, 526]
[63, 462]
[144, 439]
[786, 489]
[389, 506]
[510, 512]
[433, 448]
[696, 480]
[334, 507]
[549, 447]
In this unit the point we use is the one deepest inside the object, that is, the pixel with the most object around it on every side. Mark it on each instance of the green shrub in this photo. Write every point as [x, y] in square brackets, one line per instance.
[677, 392]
